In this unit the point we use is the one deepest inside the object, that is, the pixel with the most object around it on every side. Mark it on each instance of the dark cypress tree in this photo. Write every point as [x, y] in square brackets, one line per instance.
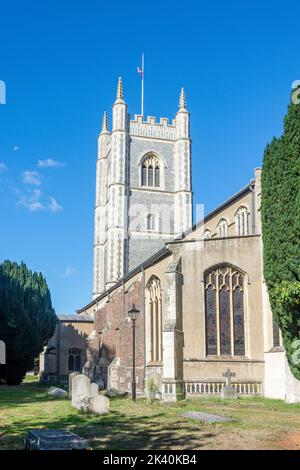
[281, 228]
[27, 319]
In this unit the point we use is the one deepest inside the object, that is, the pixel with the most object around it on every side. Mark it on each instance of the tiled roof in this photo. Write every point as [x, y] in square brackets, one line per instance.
[75, 318]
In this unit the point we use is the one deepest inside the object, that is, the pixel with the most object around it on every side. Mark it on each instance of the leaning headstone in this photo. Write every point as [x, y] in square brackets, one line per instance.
[81, 392]
[71, 377]
[113, 392]
[57, 392]
[86, 397]
[228, 391]
[99, 405]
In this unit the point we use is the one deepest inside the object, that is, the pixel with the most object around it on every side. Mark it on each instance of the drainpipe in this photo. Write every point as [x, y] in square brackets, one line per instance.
[123, 307]
[144, 323]
[58, 352]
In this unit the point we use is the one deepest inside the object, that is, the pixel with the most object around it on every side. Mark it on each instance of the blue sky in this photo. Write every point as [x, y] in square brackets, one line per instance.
[60, 61]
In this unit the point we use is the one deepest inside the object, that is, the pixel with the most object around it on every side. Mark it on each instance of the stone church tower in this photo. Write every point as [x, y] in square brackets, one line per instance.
[143, 189]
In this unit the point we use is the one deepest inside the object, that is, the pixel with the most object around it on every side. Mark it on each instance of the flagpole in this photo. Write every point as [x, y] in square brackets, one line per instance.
[142, 97]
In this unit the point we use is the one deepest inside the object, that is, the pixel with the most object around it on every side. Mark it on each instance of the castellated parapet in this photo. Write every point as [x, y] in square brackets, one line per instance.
[143, 188]
[151, 128]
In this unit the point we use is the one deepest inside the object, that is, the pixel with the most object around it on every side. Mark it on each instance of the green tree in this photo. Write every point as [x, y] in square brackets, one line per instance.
[281, 228]
[27, 319]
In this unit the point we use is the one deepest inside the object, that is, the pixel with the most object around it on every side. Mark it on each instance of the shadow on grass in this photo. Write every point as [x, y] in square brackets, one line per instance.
[128, 426]
[115, 431]
[26, 393]
[118, 430]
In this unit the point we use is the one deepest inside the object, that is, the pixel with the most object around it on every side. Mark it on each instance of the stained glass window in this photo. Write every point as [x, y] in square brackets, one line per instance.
[211, 326]
[224, 311]
[238, 321]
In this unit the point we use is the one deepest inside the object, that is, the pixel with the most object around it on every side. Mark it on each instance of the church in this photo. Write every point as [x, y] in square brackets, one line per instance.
[199, 288]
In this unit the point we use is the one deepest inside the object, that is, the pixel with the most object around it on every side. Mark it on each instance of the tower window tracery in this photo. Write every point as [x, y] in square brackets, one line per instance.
[151, 171]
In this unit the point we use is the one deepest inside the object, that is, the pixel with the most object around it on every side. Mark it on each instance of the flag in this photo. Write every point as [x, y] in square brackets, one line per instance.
[140, 71]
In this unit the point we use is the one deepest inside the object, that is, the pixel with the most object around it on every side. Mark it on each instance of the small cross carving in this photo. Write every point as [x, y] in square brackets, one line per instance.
[228, 374]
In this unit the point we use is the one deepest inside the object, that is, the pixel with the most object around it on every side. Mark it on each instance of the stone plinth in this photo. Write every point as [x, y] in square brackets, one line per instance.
[228, 392]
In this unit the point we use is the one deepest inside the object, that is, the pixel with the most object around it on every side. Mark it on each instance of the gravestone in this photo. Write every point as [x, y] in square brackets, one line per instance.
[54, 439]
[81, 392]
[113, 392]
[56, 392]
[71, 377]
[228, 391]
[84, 403]
[99, 405]
[86, 397]
[206, 417]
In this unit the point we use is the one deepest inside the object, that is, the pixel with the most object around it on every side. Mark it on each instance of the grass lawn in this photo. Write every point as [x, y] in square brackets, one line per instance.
[259, 423]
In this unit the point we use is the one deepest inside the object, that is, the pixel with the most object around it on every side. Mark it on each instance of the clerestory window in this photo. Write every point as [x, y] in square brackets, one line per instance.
[242, 221]
[223, 228]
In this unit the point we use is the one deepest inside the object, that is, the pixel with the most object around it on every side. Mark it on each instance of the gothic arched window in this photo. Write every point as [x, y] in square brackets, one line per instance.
[155, 320]
[242, 221]
[224, 311]
[223, 228]
[74, 360]
[151, 171]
